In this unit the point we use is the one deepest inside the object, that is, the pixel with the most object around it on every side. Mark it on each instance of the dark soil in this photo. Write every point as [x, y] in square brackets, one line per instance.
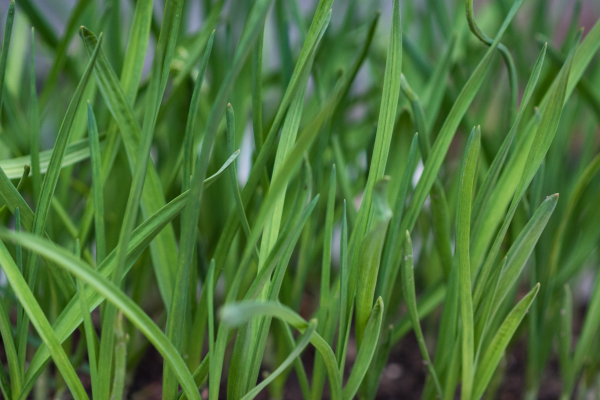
[402, 378]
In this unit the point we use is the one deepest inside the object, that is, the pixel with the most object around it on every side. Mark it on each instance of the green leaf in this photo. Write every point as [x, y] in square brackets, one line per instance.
[108, 290]
[211, 321]
[565, 338]
[495, 350]
[389, 266]
[164, 248]
[289, 168]
[410, 298]
[345, 317]
[76, 152]
[158, 80]
[11, 196]
[190, 127]
[191, 213]
[439, 208]
[484, 194]
[544, 135]
[589, 332]
[98, 186]
[10, 17]
[49, 183]
[428, 303]
[239, 205]
[370, 255]
[508, 60]
[237, 314]
[5, 385]
[463, 224]
[120, 359]
[327, 238]
[302, 343]
[448, 129]
[55, 163]
[8, 343]
[136, 49]
[320, 21]
[257, 106]
[34, 120]
[383, 137]
[130, 79]
[576, 194]
[379, 362]
[518, 254]
[285, 244]
[20, 346]
[71, 316]
[38, 319]
[366, 351]
[505, 189]
[90, 336]
[274, 217]
[278, 257]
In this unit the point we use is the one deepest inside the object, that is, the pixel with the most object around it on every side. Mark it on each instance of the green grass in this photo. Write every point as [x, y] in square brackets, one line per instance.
[290, 194]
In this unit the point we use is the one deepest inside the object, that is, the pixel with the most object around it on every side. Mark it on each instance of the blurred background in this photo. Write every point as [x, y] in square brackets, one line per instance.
[427, 33]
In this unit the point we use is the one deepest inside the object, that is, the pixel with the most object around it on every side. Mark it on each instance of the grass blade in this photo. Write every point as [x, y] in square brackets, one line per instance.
[41, 324]
[98, 186]
[112, 293]
[160, 71]
[463, 224]
[49, 183]
[71, 317]
[366, 351]
[120, 359]
[13, 199]
[408, 290]
[8, 343]
[190, 127]
[448, 129]
[588, 332]
[385, 126]
[389, 269]
[237, 314]
[485, 192]
[370, 255]
[544, 136]
[136, 49]
[327, 237]
[192, 210]
[76, 152]
[90, 337]
[302, 343]
[505, 189]
[565, 337]
[35, 126]
[496, 348]
[233, 171]
[340, 352]
[10, 17]
[517, 256]
[508, 60]
[165, 247]
[55, 163]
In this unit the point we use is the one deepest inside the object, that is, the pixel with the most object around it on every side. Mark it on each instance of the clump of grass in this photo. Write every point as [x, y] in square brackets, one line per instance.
[233, 215]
